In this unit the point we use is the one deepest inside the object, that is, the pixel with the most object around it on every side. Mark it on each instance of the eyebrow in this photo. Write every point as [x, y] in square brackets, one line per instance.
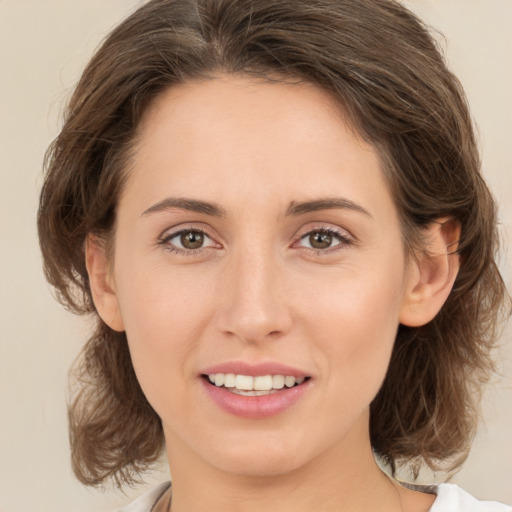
[191, 205]
[294, 209]
[329, 203]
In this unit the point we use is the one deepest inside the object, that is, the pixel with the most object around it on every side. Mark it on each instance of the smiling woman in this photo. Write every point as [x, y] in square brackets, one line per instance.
[224, 295]
[286, 239]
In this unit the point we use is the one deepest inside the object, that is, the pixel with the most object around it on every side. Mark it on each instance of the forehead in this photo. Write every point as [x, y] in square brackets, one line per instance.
[247, 138]
[244, 103]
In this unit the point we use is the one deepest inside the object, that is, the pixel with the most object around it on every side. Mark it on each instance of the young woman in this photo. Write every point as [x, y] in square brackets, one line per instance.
[275, 211]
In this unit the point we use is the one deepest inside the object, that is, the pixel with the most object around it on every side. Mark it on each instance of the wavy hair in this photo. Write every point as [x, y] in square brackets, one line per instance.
[380, 62]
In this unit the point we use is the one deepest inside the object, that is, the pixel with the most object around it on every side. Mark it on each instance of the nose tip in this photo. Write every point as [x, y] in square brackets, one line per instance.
[254, 305]
[256, 322]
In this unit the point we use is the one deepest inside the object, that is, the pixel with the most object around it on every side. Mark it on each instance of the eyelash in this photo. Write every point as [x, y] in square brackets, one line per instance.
[166, 238]
[344, 241]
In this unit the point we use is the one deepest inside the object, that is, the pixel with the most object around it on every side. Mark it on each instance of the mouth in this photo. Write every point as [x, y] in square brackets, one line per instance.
[255, 391]
[259, 385]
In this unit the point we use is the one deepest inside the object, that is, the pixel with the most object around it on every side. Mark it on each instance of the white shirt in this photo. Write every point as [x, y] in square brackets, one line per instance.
[450, 498]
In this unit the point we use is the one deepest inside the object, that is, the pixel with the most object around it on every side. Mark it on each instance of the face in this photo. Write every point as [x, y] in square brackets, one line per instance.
[257, 246]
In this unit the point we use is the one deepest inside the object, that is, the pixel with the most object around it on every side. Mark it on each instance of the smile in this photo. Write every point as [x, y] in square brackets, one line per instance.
[255, 391]
[248, 385]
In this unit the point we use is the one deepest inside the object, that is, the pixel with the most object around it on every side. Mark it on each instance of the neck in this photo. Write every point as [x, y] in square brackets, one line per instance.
[344, 478]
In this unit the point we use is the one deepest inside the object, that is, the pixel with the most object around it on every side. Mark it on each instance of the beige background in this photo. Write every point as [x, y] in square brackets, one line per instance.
[43, 46]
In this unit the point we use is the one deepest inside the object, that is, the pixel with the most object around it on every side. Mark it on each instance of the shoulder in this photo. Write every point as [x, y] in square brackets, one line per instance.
[451, 498]
[147, 501]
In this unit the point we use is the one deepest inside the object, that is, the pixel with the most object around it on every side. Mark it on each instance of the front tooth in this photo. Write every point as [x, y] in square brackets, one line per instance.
[244, 382]
[219, 379]
[278, 381]
[229, 380]
[263, 383]
[289, 381]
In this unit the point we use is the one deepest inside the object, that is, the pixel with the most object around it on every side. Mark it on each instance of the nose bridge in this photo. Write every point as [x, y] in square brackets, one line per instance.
[253, 306]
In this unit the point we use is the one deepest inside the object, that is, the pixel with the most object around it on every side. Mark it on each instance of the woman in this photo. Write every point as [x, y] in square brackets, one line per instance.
[276, 213]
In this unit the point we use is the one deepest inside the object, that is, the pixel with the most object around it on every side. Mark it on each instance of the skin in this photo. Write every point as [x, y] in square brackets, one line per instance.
[257, 291]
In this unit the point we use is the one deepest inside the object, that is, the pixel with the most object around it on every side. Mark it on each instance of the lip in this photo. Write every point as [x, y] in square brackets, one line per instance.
[255, 407]
[255, 369]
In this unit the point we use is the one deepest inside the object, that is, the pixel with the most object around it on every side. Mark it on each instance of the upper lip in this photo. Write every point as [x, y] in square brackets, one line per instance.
[255, 369]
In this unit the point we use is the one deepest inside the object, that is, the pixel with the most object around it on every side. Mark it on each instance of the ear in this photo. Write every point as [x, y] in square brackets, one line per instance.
[101, 283]
[432, 273]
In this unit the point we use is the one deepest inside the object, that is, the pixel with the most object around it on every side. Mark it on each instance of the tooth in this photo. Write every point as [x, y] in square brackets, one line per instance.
[289, 381]
[278, 381]
[244, 382]
[229, 380]
[262, 393]
[252, 392]
[263, 383]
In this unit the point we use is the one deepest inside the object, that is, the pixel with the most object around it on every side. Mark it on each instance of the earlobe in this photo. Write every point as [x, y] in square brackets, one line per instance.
[101, 283]
[432, 273]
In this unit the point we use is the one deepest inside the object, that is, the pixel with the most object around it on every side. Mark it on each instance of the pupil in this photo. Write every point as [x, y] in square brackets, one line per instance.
[320, 240]
[192, 240]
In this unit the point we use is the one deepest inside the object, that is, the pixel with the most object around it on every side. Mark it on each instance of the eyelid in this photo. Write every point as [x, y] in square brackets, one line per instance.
[345, 237]
[170, 233]
[310, 227]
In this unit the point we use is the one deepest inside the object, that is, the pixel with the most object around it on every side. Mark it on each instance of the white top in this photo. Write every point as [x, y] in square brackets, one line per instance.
[450, 498]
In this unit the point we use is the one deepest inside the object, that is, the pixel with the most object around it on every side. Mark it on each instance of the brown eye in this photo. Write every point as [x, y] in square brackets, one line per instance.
[325, 240]
[320, 240]
[187, 241]
[192, 239]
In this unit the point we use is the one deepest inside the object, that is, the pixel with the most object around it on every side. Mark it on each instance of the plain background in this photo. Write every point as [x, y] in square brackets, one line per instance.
[43, 46]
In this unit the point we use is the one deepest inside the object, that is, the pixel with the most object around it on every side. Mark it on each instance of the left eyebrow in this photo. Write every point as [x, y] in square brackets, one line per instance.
[329, 203]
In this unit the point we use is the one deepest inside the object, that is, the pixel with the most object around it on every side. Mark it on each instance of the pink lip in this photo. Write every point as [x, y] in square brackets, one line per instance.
[255, 407]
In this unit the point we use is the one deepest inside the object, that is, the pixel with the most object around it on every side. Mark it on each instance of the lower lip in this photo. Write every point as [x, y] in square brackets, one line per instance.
[255, 407]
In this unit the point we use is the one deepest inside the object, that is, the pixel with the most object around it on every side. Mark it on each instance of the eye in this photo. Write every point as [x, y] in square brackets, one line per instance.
[323, 239]
[188, 240]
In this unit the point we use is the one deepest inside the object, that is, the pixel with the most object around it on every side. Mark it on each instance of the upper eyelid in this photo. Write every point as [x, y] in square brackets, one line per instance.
[181, 228]
[174, 234]
[335, 231]
[320, 226]
[346, 239]
[299, 233]
[164, 240]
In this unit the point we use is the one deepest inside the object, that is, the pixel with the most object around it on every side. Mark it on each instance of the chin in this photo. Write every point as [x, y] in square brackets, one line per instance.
[262, 455]
[260, 465]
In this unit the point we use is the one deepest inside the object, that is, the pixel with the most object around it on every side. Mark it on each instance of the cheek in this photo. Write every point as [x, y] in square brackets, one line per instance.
[164, 316]
[354, 323]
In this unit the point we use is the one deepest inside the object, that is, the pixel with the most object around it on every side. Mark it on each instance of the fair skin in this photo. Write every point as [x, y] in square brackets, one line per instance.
[287, 251]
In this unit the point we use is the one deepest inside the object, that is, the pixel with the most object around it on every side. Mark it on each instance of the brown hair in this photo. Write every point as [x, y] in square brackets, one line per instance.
[380, 62]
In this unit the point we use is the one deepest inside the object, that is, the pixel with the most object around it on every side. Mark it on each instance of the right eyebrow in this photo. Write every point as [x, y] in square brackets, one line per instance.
[191, 205]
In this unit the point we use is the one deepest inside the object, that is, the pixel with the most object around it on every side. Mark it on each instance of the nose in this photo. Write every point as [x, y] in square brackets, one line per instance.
[253, 303]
